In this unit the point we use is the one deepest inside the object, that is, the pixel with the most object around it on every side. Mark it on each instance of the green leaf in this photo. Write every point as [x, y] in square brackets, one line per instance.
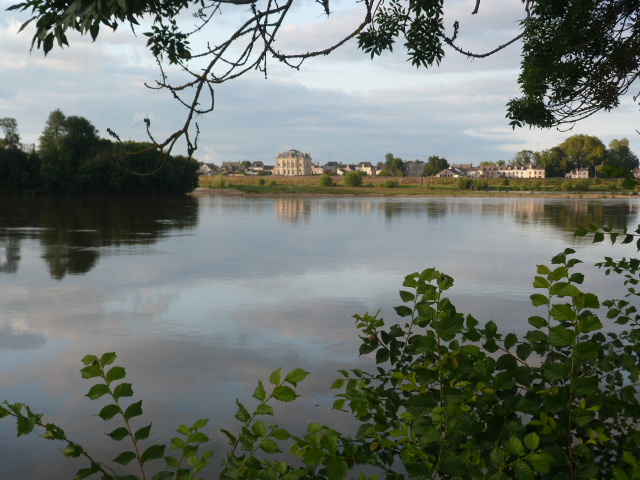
[539, 463]
[274, 378]
[259, 428]
[407, 296]
[537, 321]
[242, 414]
[109, 411]
[588, 300]
[280, 434]
[403, 311]
[25, 425]
[264, 409]
[108, 358]
[72, 450]
[154, 452]
[89, 359]
[284, 394]
[523, 471]
[119, 433]
[269, 446]
[563, 313]
[125, 458]
[561, 337]
[198, 437]
[510, 340]
[538, 299]
[532, 441]
[589, 324]
[337, 468]
[122, 390]
[142, 433]
[260, 393]
[91, 371]
[133, 410]
[200, 423]
[115, 373]
[87, 472]
[97, 391]
[540, 282]
[543, 270]
[296, 375]
[514, 446]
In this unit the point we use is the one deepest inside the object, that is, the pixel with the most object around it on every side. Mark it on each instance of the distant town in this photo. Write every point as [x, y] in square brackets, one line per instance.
[297, 163]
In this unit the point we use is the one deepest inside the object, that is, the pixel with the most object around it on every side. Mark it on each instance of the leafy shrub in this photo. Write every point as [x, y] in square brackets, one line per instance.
[480, 185]
[567, 185]
[325, 180]
[219, 181]
[353, 179]
[536, 185]
[271, 183]
[463, 183]
[261, 181]
[449, 399]
[582, 185]
[389, 184]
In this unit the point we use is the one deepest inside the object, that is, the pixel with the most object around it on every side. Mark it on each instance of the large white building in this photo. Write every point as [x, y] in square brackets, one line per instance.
[293, 162]
[492, 171]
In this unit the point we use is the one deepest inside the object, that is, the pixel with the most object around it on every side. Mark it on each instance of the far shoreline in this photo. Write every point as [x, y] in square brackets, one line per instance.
[235, 192]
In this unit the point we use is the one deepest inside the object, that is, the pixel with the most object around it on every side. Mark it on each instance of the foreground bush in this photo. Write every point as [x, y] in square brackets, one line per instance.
[449, 399]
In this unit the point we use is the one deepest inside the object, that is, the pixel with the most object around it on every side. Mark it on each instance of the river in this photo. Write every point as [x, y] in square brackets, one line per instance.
[202, 296]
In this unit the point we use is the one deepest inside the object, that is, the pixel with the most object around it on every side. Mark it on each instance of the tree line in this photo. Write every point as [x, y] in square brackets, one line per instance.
[577, 151]
[71, 158]
[582, 151]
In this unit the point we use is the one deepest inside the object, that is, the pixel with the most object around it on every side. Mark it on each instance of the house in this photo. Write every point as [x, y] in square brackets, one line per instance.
[331, 168]
[450, 172]
[578, 173]
[230, 167]
[366, 167]
[413, 168]
[293, 162]
[492, 171]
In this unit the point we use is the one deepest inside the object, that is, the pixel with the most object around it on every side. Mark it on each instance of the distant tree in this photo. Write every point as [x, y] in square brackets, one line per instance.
[620, 160]
[66, 144]
[53, 131]
[11, 138]
[525, 157]
[245, 164]
[555, 162]
[394, 165]
[434, 165]
[353, 179]
[583, 151]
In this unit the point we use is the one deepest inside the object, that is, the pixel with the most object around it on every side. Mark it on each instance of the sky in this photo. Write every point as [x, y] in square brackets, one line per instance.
[343, 107]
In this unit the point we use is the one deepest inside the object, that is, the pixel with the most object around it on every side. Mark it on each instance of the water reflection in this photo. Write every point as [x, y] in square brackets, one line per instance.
[75, 231]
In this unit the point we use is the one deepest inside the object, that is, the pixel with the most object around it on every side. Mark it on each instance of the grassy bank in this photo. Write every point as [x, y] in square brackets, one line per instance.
[385, 186]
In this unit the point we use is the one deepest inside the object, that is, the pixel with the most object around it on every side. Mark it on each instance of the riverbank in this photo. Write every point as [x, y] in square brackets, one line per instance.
[413, 187]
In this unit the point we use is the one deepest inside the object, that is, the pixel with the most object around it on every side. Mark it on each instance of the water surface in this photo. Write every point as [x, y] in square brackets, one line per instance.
[202, 296]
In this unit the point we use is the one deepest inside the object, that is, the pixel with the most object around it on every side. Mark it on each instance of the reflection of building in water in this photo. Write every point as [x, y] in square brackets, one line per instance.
[293, 162]
[293, 210]
[11, 248]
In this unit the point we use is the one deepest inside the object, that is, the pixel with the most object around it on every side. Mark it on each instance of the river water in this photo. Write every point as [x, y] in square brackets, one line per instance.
[202, 296]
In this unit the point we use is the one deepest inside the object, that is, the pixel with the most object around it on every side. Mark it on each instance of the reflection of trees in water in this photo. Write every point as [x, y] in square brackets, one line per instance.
[11, 247]
[568, 215]
[73, 230]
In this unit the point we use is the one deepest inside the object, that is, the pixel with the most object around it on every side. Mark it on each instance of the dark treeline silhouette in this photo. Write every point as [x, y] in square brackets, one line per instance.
[72, 159]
